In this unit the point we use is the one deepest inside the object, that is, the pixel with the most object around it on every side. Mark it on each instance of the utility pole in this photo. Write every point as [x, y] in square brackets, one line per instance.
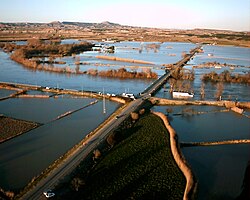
[82, 88]
[104, 106]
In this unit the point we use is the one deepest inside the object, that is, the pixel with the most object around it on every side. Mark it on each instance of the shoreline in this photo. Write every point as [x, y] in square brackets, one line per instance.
[191, 183]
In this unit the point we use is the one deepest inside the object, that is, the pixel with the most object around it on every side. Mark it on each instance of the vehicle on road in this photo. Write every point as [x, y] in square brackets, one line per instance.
[49, 194]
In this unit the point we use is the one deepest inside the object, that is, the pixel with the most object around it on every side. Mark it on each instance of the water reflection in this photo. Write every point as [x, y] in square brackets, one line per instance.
[5, 93]
[219, 169]
[28, 155]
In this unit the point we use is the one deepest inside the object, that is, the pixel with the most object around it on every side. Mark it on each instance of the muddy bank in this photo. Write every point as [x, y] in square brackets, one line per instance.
[179, 159]
[11, 128]
[227, 104]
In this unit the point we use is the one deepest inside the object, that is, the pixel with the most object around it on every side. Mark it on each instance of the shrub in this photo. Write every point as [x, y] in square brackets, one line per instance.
[134, 116]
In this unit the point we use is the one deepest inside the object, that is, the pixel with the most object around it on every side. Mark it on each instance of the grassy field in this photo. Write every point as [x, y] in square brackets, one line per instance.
[139, 167]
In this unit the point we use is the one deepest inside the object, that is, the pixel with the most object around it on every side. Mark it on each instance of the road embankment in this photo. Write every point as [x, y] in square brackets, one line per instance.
[73, 111]
[193, 144]
[124, 60]
[19, 92]
[23, 88]
[179, 159]
[33, 96]
[227, 104]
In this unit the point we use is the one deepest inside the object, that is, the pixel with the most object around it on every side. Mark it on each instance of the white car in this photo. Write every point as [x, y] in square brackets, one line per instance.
[48, 194]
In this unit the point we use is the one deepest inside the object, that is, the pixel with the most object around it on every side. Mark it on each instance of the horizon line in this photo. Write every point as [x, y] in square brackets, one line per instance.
[215, 29]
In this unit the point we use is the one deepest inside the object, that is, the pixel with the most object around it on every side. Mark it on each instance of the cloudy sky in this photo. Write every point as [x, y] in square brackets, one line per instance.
[180, 14]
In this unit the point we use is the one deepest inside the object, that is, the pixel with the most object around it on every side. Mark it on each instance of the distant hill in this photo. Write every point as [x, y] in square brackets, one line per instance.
[104, 24]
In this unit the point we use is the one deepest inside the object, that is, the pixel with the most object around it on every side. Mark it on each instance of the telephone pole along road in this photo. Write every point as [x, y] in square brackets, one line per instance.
[71, 162]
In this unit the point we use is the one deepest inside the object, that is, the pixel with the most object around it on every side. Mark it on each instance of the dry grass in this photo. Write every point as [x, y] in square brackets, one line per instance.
[14, 127]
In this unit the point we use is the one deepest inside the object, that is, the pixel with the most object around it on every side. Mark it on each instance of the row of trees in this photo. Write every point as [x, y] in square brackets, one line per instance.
[123, 73]
[36, 48]
[227, 77]
[185, 85]
[179, 85]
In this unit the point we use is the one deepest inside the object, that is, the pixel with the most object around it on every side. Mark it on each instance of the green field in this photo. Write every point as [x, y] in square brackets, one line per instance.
[139, 167]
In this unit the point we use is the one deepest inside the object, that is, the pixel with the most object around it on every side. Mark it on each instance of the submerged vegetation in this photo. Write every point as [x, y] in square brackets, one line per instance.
[123, 73]
[227, 77]
[28, 55]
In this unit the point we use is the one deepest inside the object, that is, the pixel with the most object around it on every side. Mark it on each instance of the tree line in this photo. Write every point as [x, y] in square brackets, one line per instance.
[123, 73]
[226, 77]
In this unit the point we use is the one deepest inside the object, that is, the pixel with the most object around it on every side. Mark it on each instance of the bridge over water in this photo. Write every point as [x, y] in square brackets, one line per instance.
[176, 67]
[85, 147]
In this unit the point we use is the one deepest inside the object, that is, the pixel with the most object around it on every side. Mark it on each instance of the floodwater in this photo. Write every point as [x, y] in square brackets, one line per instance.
[13, 72]
[28, 155]
[219, 169]
[231, 55]
[55, 138]
[5, 93]
[41, 110]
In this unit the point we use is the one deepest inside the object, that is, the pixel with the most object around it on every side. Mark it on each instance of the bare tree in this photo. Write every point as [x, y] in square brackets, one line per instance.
[111, 139]
[142, 111]
[172, 83]
[134, 116]
[76, 183]
[202, 90]
[219, 91]
[97, 154]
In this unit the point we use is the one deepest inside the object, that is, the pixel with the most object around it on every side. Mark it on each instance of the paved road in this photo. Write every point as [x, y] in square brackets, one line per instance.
[70, 163]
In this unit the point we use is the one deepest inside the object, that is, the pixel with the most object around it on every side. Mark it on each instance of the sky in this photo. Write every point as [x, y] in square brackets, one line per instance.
[174, 14]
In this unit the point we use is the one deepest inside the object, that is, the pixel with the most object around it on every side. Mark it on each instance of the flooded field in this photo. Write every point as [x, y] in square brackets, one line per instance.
[55, 138]
[41, 110]
[219, 169]
[5, 93]
[41, 146]
[230, 55]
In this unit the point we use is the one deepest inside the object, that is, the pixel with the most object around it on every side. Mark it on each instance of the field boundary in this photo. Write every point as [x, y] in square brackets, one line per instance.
[179, 158]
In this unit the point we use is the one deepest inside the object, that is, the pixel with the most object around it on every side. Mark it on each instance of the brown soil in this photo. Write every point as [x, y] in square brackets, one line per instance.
[13, 127]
